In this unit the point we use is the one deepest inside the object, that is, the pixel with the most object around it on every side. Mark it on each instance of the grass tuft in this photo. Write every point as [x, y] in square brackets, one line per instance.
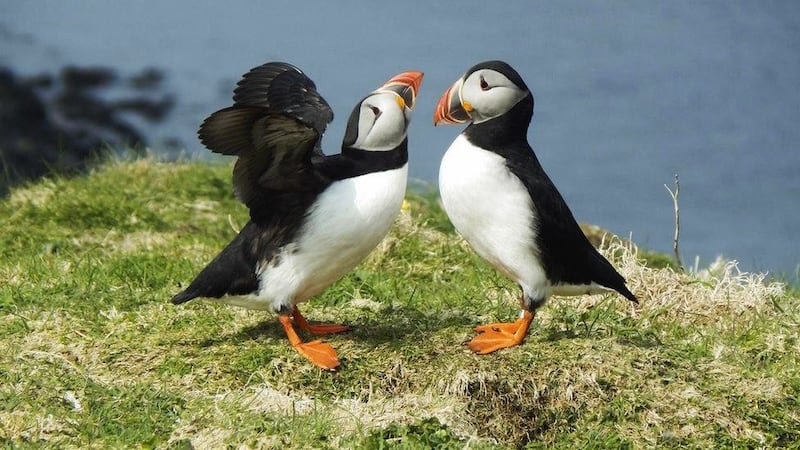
[94, 355]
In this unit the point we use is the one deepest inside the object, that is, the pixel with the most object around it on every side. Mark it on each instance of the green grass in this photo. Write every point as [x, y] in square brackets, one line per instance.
[94, 355]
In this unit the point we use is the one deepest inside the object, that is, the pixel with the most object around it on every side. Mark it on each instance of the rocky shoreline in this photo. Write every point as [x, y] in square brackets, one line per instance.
[63, 123]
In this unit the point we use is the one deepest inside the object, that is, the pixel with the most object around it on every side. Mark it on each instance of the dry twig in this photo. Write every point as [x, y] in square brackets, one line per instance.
[677, 235]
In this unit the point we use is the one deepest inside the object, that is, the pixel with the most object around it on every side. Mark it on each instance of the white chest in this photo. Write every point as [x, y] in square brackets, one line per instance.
[343, 226]
[491, 209]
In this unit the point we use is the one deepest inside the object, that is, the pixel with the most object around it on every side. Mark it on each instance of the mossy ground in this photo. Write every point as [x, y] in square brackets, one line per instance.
[94, 355]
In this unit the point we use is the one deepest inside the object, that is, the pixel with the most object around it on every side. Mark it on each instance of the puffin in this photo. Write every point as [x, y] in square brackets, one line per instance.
[501, 201]
[313, 217]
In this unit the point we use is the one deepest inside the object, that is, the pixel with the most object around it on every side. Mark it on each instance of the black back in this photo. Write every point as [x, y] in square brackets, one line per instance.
[566, 254]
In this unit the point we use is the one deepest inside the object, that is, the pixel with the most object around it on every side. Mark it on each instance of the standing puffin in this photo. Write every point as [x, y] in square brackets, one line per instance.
[503, 203]
[313, 217]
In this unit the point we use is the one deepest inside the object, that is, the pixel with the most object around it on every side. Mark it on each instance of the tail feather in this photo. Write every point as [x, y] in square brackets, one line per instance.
[617, 283]
[625, 292]
[182, 297]
[606, 275]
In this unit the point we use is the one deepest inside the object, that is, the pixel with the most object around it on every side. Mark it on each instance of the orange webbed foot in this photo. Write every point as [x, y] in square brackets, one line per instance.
[496, 336]
[326, 328]
[510, 328]
[318, 328]
[491, 341]
[320, 353]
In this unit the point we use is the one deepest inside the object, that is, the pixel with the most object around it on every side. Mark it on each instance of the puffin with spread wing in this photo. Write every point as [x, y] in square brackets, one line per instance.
[313, 217]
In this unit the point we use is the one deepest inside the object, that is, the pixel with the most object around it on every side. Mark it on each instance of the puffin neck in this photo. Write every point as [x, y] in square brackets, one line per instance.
[511, 127]
[388, 159]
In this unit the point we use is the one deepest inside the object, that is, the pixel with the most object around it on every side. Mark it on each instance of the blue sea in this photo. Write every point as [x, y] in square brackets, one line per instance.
[628, 93]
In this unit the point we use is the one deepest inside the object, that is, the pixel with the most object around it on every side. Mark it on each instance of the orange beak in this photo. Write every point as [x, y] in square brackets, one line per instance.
[450, 109]
[406, 85]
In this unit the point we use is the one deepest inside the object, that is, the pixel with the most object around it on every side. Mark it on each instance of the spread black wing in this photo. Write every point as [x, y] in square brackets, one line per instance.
[274, 128]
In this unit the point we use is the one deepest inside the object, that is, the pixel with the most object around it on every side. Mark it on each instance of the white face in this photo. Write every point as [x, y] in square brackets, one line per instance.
[486, 94]
[382, 122]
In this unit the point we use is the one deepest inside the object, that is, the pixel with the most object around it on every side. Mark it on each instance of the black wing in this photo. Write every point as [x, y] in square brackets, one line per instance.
[568, 256]
[282, 87]
[274, 127]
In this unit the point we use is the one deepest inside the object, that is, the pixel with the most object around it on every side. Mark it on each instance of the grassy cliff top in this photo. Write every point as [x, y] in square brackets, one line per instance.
[94, 355]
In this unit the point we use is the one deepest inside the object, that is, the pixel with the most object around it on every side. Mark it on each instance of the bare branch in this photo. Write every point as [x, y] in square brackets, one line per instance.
[676, 237]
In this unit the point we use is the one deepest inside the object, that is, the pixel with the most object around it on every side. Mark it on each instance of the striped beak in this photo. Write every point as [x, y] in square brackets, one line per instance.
[406, 86]
[450, 109]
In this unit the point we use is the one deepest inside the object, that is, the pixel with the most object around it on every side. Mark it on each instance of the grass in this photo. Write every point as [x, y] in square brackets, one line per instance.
[93, 354]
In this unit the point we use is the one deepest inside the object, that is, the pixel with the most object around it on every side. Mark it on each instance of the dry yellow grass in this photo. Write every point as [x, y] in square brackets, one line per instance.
[94, 355]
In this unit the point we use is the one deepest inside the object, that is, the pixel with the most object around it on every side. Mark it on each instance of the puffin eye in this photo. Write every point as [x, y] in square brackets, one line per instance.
[375, 110]
[484, 84]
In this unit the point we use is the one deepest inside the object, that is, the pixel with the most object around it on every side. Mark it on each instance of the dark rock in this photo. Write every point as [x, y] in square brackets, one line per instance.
[91, 115]
[41, 81]
[152, 110]
[149, 78]
[31, 144]
[86, 77]
[16, 98]
[173, 143]
[63, 125]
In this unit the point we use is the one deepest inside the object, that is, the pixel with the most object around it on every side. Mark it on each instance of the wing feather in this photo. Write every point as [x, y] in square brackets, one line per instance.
[274, 128]
[570, 257]
[228, 130]
[282, 87]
